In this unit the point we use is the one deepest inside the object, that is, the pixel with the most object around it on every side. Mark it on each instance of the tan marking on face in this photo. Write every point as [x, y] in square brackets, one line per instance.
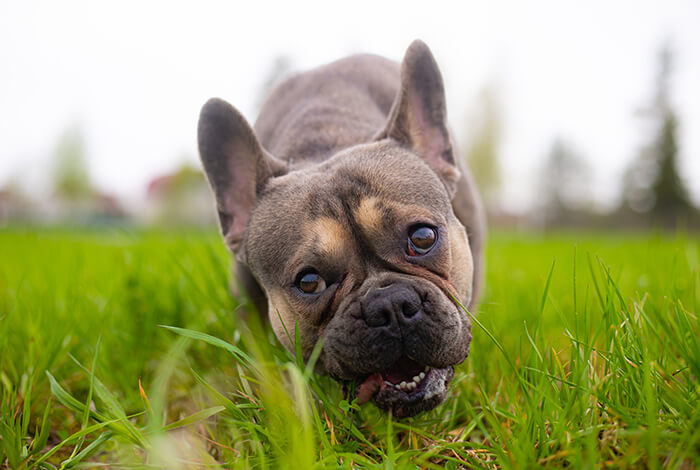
[367, 215]
[462, 264]
[332, 236]
[370, 218]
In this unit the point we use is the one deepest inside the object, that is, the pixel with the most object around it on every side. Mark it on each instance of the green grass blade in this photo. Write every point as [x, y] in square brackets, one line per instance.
[214, 341]
[43, 430]
[194, 418]
[68, 400]
[121, 424]
[88, 450]
[74, 436]
[546, 288]
[114, 408]
[88, 400]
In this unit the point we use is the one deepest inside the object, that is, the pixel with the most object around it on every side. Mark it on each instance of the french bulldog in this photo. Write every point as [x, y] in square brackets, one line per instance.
[351, 214]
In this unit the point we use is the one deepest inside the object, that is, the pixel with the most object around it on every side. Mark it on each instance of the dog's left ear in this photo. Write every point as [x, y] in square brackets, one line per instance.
[418, 117]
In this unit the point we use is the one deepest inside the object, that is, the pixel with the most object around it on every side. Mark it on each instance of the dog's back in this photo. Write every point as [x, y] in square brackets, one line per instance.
[314, 114]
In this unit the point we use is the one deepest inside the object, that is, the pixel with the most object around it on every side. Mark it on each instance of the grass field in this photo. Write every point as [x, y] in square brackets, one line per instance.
[124, 349]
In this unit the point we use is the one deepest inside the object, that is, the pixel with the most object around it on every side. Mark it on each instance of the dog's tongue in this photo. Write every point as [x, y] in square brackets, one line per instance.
[402, 370]
[367, 389]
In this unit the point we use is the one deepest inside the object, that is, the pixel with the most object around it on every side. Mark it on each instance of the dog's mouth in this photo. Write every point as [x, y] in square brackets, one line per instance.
[406, 388]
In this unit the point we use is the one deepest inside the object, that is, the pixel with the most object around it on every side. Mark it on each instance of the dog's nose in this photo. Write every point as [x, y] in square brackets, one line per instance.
[387, 306]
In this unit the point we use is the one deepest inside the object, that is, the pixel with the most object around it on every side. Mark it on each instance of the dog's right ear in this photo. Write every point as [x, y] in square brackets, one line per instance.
[418, 117]
[236, 165]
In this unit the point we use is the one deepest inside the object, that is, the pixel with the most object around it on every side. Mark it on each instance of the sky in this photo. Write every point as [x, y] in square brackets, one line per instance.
[133, 75]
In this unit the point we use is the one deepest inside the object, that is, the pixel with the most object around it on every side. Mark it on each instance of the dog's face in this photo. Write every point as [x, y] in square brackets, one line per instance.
[362, 251]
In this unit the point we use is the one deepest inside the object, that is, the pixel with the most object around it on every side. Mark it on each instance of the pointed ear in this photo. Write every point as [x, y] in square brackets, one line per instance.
[236, 165]
[418, 117]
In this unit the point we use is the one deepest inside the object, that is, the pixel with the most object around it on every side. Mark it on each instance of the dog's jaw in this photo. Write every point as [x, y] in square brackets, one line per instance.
[409, 395]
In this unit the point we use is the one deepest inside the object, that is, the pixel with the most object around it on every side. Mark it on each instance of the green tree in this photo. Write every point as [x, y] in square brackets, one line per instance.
[70, 176]
[652, 183]
[671, 197]
[564, 186]
[483, 150]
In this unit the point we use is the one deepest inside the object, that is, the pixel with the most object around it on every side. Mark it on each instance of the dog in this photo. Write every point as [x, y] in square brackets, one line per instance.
[351, 215]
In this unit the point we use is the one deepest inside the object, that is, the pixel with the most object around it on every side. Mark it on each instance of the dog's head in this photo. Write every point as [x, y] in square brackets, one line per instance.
[362, 251]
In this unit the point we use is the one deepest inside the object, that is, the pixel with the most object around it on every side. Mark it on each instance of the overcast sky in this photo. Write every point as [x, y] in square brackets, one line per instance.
[133, 75]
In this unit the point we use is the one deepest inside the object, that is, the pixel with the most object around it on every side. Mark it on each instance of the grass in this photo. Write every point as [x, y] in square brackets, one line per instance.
[125, 349]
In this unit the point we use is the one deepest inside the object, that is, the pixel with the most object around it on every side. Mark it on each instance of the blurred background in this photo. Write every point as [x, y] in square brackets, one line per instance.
[570, 114]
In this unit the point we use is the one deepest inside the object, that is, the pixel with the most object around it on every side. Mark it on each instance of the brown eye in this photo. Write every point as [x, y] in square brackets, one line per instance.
[421, 239]
[310, 282]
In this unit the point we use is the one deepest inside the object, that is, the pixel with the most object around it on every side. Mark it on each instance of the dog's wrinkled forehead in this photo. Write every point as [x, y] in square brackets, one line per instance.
[337, 205]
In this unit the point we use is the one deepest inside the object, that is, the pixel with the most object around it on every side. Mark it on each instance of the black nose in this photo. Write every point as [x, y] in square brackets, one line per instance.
[388, 306]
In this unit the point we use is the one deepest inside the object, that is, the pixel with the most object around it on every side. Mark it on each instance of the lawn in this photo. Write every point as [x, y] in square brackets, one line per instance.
[124, 348]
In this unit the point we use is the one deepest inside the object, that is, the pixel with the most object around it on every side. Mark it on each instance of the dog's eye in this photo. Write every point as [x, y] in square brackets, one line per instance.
[421, 238]
[310, 282]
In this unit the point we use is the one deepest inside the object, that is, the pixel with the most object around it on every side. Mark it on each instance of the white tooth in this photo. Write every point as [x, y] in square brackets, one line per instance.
[412, 385]
[397, 387]
[388, 383]
[421, 375]
[416, 379]
[402, 385]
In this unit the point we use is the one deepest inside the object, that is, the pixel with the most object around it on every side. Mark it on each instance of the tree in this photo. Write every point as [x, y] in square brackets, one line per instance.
[179, 198]
[70, 175]
[671, 197]
[483, 151]
[652, 183]
[564, 183]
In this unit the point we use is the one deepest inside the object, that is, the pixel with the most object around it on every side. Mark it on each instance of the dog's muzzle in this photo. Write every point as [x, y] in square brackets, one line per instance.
[407, 387]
